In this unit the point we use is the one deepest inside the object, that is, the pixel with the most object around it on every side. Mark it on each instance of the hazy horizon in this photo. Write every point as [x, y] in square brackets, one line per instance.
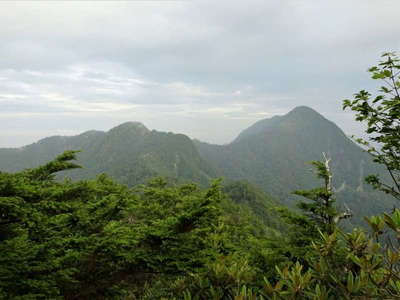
[360, 129]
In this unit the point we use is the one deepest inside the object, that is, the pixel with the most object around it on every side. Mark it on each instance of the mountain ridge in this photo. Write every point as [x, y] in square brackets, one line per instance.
[272, 154]
[129, 152]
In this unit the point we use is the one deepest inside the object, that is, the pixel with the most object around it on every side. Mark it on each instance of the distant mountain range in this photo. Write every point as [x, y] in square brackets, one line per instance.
[130, 153]
[272, 154]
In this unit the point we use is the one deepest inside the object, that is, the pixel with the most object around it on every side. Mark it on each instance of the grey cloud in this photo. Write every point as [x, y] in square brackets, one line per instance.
[188, 66]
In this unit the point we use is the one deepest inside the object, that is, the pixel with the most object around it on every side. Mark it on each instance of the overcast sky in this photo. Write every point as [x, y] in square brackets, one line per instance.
[204, 68]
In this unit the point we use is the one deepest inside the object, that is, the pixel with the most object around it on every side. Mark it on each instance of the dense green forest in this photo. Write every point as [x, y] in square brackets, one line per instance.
[67, 235]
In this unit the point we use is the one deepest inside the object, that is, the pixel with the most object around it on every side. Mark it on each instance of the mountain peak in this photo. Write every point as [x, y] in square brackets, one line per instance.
[304, 115]
[303, 110]
[131, 127]
[298, 117]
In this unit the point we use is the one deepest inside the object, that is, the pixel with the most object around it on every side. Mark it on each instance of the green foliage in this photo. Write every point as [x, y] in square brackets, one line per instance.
[96, 238]
[381, 116]
[321, 210]
[339, 265]
[299, 236]
[260, 203]
[344, 266]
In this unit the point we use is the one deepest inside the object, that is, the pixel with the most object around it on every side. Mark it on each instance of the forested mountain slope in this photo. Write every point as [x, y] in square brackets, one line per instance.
[261, 204]
[273, 154]
[129, 153]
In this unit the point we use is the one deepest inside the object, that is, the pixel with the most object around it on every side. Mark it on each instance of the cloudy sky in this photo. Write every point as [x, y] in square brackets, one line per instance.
[204, 68]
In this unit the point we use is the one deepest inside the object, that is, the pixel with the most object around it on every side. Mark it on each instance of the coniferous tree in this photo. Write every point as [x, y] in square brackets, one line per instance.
[98, 239]
[321, 207]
